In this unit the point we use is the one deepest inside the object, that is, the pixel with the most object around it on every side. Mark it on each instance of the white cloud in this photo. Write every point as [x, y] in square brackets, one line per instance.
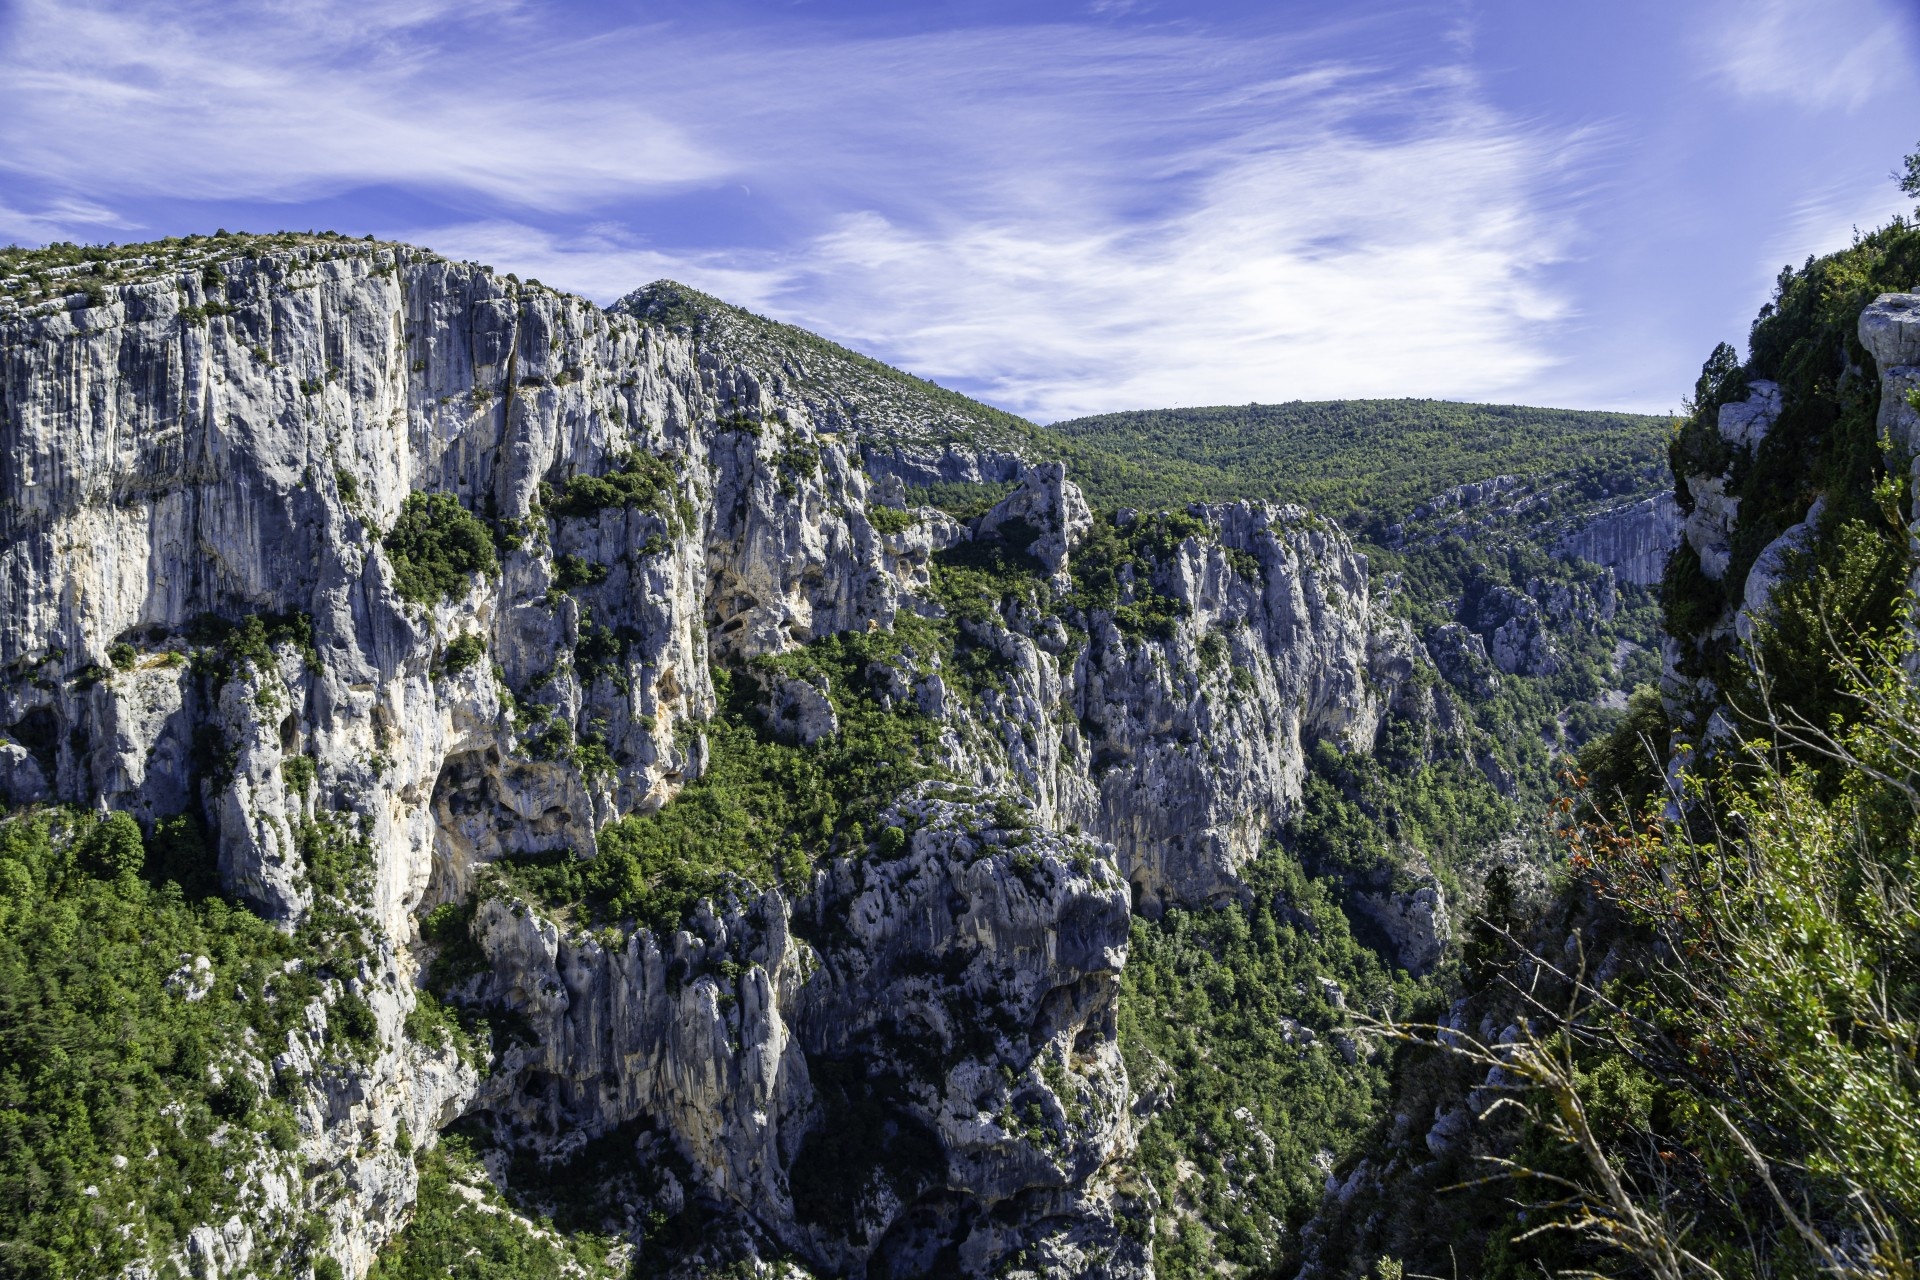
[1065, 218]
[1816, 53]
[63, 219]
[1332, 269]
[202, 100]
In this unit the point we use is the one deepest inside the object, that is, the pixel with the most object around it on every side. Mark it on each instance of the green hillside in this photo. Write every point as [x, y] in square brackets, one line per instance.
[1357, 460]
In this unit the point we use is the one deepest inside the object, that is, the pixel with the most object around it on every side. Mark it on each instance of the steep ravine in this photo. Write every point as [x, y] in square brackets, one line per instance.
[200, 468]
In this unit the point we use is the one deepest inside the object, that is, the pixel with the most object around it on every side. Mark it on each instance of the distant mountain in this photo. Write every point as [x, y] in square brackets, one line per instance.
[1361, 461]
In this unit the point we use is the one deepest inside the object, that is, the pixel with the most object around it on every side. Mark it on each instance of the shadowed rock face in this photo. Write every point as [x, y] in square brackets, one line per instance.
[165, 467]
[975, 949]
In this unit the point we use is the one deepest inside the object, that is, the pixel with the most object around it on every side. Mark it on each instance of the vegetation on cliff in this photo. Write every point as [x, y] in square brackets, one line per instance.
[1825, 445]
[138, 1015]
[436, 546]
[1231, 1025]
[1700, 1046]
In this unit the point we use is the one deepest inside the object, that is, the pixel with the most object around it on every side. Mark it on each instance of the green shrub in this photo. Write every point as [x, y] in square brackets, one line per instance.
[636, 480]
[888, 522]
[123, 656]
[464, 651]
[570, 573]
[435, 546]
[762, 812]
[114, 848]
[299, 773]
[962, 501]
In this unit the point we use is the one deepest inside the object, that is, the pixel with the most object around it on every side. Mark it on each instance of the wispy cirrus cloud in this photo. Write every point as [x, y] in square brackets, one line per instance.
[1064, 217]
[280, 102]
[1818, 53]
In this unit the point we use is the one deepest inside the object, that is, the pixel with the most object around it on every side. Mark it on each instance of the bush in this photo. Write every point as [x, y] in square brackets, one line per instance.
[887, 521]
[762, 812]
[113, 848]
[435, 546]
[636, 480]
[464, 651]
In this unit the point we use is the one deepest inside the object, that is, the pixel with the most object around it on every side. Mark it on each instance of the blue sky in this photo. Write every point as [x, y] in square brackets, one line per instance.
[1062, 208]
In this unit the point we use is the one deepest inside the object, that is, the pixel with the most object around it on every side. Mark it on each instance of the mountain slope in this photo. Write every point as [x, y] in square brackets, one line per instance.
[1360, 461]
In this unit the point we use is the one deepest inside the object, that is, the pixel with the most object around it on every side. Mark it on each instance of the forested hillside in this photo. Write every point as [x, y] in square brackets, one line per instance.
[1365, 462]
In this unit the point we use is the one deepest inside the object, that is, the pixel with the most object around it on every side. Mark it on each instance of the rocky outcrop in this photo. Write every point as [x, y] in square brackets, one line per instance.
[1517, 636]
[1890, 330]
[1413, 922]
[1461, 657]
[1709, 526]
[1771, 567]
[1196, 741]
[846, 1070]
[1048, 513]
[1633, 540]
[1745, 423]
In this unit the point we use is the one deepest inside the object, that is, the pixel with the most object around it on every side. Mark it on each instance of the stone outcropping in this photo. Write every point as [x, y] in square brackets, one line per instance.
[1633, 540]
[848, 1094]
[1890, 330]
[1461, 657]
[1517, 636]
[1709, 526]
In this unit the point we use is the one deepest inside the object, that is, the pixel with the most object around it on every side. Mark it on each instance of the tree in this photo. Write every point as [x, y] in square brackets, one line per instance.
[1909, 180]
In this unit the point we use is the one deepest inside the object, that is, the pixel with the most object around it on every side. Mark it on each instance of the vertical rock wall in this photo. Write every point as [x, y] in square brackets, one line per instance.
[213, 450]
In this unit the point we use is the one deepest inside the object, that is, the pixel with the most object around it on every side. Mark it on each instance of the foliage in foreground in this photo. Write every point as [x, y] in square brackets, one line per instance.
[1765, 1023]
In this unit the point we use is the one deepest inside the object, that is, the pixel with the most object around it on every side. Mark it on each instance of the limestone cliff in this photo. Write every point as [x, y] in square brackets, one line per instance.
[206, 614]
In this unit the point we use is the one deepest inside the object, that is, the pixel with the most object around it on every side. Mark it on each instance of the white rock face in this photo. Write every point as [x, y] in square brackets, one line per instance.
[1890, 329]
[1050, 509]
[1771, 565]
[1709, 526]
[1633, 540]
[167, 467]
[1185, 750]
